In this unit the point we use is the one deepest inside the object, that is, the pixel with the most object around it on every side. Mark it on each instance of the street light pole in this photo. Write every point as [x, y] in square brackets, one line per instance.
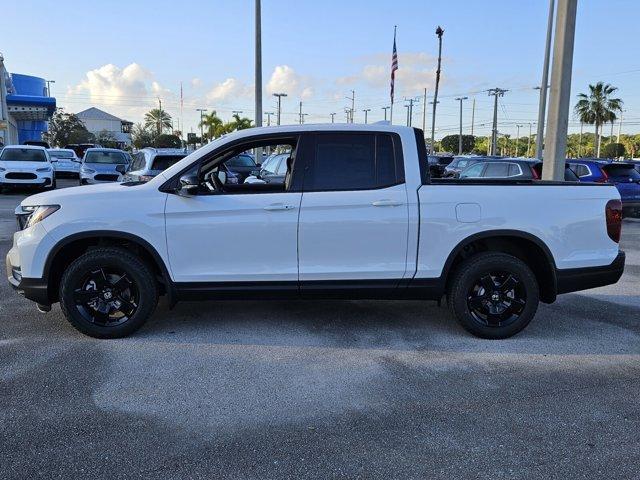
[517, 137]
[49, 82]
[268, 114]
[559, 99]
[439, 32]
[201, 110]
[332, 117]
[279, 96]
[542, 105]
[385, 112]
[258, 66]
[366, 111]
[460, 99]
[496, 92]
[529, 141]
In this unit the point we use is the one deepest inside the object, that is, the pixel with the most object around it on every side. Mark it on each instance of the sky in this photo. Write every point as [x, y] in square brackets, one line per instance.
[122, 55]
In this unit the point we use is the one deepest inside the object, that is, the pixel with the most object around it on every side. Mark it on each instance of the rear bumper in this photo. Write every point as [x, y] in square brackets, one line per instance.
[575, 279]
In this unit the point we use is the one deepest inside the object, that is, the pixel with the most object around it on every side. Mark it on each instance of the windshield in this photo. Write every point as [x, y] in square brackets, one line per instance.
[622, 172]
[23, 155]
[105, 157]
[162, 162]
[61, 154]
[241, 161]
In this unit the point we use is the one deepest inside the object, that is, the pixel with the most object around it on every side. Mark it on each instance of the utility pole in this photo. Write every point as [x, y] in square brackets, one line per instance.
[439, 32]
[366, 111]
[300, 113]
[559, 99]
[424, 110]
[268, 114]
[517, 137]
[620, 125]
[542, 105]
[332, 117]
[353, 103]
[258, 66]
[160, 116]
[409, 108]
[496, 92]
[385, 112]
[473, 114]
[432, 146]
[201, 110]
[460, 99]
[49, 82]
[580, 139]
[279, 96]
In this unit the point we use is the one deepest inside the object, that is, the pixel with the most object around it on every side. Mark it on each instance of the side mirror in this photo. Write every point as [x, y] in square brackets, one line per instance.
[189, 184]
[121, 169]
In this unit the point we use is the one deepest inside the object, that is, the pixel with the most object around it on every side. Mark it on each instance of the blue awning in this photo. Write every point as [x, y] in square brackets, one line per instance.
[30, 107]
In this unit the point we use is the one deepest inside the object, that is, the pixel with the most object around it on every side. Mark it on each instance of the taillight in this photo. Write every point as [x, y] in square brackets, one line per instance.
[534, 172]
[613, 214]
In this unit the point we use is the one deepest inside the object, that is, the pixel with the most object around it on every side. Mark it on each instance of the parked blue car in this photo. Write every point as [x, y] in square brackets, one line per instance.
[621, 174]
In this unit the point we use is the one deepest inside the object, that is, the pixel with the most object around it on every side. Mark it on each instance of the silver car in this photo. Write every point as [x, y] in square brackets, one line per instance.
[65, 162]
[149, 162]
[100, 165]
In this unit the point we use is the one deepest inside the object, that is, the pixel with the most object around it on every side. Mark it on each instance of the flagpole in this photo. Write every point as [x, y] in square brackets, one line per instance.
[395, 27]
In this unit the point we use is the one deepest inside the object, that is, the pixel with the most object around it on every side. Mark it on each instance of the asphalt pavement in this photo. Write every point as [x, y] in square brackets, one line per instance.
[324, 389]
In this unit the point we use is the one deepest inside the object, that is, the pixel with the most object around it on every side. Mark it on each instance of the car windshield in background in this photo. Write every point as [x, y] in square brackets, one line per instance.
[241, 161]
[622, 172]
[61, 154]
[105, 157]
[162, 162]
[22, 155]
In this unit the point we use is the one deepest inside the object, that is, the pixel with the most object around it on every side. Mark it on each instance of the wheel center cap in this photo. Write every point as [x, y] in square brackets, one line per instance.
[495, 297]
[107, 295]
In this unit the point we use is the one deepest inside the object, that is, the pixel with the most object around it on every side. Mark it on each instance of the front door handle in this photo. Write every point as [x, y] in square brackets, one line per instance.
[386, 203]
[278, 206]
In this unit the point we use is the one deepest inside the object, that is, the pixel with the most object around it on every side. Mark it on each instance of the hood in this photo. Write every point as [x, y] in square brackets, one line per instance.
[76, 194]
[24, 166]
[103, 167]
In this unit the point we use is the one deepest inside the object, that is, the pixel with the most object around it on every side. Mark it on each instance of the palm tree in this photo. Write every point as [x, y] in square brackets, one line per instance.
[213, 125]
[157, 119]
[240, 123]
[598, 108]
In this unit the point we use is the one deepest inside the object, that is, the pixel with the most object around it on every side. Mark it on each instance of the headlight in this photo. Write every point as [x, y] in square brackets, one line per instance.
[30, 215]
[87, 170]
[44, 169]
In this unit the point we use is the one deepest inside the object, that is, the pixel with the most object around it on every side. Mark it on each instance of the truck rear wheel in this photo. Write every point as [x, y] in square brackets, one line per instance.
[493, 295]
[108, 293]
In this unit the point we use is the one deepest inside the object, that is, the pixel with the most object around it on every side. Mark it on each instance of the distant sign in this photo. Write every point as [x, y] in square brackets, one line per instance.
[191, 138]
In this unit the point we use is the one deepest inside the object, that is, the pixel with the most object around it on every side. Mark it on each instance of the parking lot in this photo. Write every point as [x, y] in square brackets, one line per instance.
[328, 389]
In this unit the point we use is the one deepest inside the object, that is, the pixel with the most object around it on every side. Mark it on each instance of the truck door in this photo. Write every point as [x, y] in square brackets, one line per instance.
[354, 216]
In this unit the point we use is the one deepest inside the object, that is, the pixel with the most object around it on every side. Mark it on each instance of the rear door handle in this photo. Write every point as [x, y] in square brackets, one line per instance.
[278, 206]
[387, 203]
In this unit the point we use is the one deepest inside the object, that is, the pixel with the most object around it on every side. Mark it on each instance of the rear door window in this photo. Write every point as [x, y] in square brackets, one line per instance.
[581, 170]
[496, 170]
[622, 172]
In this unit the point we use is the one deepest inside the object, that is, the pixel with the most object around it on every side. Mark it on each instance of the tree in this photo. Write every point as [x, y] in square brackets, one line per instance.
[239, 123]
[142, 136]
[213, 125]
[168, 141]
[450, 143]
[597, 108]
[157, 120]
[66, 128]
[107, 139]
[631, 144]
[613, 150]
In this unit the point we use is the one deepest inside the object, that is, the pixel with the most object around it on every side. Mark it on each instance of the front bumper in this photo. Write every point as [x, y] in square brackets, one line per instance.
[99, 177]
[41, 180]
[576, 279]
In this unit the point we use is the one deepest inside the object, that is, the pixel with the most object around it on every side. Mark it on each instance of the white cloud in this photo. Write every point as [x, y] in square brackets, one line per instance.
[196, 82]
[230, 89]
[286, 79]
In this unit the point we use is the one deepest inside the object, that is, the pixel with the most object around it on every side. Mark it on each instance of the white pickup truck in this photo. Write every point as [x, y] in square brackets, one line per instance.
[356, 217]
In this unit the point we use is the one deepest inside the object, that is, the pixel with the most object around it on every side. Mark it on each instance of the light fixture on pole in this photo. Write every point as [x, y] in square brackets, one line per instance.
[460, 99]
[279, 96]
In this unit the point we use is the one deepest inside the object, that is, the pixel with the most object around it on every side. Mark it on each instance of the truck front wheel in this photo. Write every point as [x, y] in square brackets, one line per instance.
[108, 293]
[493, 295]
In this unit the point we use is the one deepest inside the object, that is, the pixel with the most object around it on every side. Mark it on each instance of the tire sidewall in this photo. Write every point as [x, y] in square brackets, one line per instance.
[470, 271]
[136, 270]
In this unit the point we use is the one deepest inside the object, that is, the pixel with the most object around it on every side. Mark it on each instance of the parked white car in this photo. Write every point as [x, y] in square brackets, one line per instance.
[65, 162]
[357, 216]
[26, 165]
[100, 165]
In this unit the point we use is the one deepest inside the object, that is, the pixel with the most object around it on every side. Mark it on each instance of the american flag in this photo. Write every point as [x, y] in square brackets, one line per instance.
[394, 65]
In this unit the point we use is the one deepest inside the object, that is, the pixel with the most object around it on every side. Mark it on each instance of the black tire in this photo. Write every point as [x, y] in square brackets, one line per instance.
[493, 295]
[102, 284]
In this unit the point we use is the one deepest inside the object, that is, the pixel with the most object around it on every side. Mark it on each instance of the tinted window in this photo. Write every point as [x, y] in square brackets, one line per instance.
[162, 162]
[23, 155]
[462, 163]
[345, 161]
[581, 170]
[105, 157]
[60, 154]
[624, 172]
[473, 171]
[496, 170]
[241, 161]
[569, 176]
[515, 170]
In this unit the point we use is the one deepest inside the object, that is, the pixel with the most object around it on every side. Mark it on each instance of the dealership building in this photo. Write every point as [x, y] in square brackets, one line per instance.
[25, 107]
